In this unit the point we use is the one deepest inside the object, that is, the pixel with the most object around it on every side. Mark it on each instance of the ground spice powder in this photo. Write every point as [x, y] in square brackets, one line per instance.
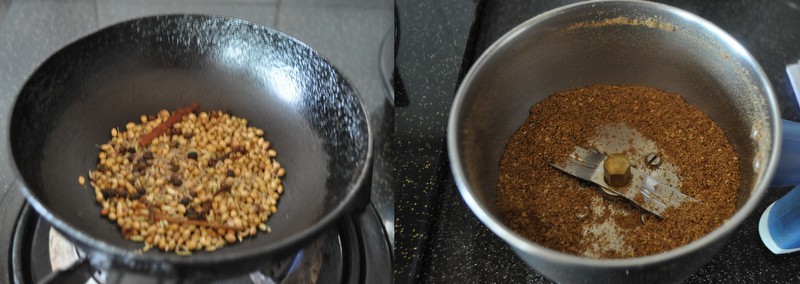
[560, 212]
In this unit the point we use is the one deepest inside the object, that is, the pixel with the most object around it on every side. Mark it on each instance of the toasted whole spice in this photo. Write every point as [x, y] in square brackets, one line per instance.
[157, 181]
[560, 212]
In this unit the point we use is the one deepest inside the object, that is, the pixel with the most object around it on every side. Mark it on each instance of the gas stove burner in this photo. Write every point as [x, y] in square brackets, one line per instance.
[304, 267]
[355, 251]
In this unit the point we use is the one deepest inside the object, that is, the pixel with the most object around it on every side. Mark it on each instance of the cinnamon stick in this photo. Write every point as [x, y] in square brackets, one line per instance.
[161, 128]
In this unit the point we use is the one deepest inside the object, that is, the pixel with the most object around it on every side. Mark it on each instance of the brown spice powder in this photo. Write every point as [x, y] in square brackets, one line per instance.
[648, 22]
[558, 211]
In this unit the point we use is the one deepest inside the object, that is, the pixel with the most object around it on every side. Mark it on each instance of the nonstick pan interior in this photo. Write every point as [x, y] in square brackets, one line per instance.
[310, 114]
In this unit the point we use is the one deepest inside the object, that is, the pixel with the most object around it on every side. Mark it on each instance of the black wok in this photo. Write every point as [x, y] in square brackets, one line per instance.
[310, 113]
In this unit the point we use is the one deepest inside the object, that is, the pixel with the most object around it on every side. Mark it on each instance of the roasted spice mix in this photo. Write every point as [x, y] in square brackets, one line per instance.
[558, 211]
[186, 182]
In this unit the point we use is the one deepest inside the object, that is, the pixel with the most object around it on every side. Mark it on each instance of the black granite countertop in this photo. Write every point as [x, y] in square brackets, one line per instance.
[438, 239]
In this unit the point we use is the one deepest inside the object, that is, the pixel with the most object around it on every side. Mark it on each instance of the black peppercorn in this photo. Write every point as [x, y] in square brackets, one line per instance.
[108, 193]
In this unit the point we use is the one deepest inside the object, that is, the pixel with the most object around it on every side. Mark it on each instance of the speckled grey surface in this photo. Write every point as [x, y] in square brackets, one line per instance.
[3, 9]
[432, 39]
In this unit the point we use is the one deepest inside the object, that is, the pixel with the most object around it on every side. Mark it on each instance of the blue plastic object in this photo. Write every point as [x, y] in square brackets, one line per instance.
[779, 226]
[788, 171]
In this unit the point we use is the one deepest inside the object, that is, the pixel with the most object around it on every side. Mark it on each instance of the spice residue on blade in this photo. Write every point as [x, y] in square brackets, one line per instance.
[186, 182]
[558, 211]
